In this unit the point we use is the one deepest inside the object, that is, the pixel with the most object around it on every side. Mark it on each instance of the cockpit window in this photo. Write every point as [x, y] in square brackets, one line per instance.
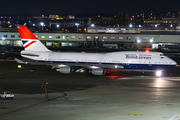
[162, 57]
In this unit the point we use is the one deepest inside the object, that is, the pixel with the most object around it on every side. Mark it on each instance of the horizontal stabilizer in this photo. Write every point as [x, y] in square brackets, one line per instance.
[19, 61]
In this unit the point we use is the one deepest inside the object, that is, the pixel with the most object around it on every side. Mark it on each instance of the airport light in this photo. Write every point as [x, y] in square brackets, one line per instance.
[156, 25]
[140, 25]
[138, 41]
[57, 27]
[77, 24]
[130, 25]
[171, 25]
[92, 25]
[19, 66]
[42, 24]
[151, 40]
[3, 38]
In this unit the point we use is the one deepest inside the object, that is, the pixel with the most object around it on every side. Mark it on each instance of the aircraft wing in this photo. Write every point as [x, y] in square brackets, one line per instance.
[89, 66]
[59, 65]
[32, 63]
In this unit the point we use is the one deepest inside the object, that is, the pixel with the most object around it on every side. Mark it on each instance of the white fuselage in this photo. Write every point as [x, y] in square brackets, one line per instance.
[127, 59]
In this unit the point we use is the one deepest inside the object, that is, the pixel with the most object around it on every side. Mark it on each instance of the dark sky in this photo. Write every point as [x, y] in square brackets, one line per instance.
[10, 7]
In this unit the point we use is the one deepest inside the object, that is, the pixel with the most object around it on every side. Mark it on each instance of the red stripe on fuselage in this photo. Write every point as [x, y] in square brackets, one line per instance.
[29, 44]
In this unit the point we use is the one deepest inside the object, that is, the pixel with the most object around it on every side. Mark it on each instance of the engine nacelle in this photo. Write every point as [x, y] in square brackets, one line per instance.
[98, 72]
[65, 70]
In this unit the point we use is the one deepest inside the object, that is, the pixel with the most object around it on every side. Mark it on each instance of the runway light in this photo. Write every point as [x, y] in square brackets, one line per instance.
[19, 66]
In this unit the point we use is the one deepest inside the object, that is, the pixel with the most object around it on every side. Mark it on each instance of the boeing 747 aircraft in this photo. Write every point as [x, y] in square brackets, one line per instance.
[97, 63]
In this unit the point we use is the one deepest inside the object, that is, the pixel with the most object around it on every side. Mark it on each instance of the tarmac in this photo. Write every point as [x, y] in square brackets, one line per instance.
[82, 96]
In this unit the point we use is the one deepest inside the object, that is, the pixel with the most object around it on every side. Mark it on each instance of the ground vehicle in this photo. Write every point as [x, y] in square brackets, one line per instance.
[6, 95]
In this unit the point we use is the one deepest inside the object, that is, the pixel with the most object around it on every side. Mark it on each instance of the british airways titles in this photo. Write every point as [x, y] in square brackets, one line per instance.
[134, 56]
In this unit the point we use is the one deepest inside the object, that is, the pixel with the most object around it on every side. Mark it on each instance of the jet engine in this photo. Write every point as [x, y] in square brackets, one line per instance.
[98, 72]
[65, 70]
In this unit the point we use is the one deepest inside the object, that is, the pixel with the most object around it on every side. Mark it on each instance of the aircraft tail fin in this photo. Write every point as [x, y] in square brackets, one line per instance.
[29, 40]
